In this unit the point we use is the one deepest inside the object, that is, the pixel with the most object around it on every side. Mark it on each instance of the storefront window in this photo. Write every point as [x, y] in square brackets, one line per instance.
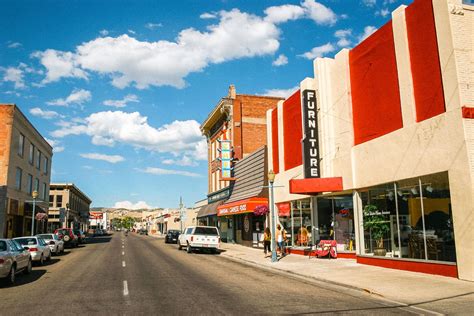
[409, 219]
[379, 220]
[301, 232]
[335, 220]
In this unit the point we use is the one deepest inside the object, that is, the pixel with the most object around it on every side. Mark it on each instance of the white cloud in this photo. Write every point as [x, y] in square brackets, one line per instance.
[283, 93]
[15, 75]
[153, 26]
[57, 148]
[132, 206]
[383, 12]
[122, 103]
[108, 158]
[368, 30]
[319, 13]
[369, 3]
[207, 15]
[131, 32]
[342, 35]
[77, 96]
[104, 32]
[160, 171]
[319, 51]
[44, 113]
[184, 161]
[108, 128]
[130, 61]
[280, 61]
[283, 13]
[14, 45]
[59, 65]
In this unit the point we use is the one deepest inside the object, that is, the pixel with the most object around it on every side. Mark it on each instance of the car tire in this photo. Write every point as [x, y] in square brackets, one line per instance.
[29, 267]
[49, 257]
[11, 278]
[41, 262]
[179, 246]
[66, 238]
[189, 249]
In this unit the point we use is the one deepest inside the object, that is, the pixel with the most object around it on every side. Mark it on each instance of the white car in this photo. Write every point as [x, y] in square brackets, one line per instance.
[54, 242]
[13, 259]
[37, 247]
[200, 237]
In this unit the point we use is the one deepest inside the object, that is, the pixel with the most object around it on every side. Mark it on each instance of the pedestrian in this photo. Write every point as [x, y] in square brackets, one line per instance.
[279, 239]
[267, 237]
[284, 239]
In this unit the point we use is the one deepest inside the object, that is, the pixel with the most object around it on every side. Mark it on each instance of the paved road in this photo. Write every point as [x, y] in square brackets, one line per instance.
[142, 275]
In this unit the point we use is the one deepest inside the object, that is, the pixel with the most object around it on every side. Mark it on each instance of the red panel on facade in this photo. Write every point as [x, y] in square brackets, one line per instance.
[424, 59]
[292, 131]
[315, 185]
[374, 83]
[423, 267]
[467, 112]
[275, 153]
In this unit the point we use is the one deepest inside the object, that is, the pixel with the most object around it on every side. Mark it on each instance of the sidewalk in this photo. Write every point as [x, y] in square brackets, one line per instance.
[401, 286]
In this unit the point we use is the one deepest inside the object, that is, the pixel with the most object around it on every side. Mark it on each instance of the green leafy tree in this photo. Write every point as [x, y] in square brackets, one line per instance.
[127, 222]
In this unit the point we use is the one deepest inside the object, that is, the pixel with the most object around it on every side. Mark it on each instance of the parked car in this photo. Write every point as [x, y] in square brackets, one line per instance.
[172, 236]
[54, 242]
[13, 259]
[99, 232]
[200, 237]
[80, 235]
[67, 236]
[38, 248]
[143, 231]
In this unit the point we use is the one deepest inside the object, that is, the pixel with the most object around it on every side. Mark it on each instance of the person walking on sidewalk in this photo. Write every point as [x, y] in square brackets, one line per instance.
[267, 238]
[279, 239]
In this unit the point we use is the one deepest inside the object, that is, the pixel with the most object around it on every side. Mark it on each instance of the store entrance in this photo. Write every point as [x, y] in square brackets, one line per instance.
[335, 221]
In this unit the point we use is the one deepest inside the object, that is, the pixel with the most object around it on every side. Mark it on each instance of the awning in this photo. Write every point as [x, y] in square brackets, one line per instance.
[209, 209]
[242, 206]
[315, 185]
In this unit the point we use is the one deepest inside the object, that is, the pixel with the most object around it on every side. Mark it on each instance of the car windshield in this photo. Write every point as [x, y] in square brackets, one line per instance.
[46, 236]
[206, 231]
[3, 245]
[27, 241]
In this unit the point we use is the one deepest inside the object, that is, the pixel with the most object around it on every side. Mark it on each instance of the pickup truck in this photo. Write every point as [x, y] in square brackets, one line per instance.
[199, 237]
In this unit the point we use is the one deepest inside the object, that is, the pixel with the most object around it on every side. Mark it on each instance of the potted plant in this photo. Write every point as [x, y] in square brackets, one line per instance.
[378, 226]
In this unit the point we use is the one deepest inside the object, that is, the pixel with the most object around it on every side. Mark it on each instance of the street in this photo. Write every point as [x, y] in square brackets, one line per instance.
[140, 274]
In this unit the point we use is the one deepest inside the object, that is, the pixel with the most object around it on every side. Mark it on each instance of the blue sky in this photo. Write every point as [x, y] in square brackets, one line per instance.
[119, 88]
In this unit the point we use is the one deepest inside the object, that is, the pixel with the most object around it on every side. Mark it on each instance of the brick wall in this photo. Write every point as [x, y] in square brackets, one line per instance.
[6, 119]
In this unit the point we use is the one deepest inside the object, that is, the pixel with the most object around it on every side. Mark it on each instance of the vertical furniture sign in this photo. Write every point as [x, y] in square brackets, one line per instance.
[310, 135]
[226, 159]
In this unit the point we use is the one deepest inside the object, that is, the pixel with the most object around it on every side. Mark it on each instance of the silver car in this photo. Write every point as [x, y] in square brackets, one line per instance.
[13, 259]
[37, 247]
[54, 242]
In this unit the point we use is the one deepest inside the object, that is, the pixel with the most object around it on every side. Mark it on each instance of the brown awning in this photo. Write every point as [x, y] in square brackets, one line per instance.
[209, 209]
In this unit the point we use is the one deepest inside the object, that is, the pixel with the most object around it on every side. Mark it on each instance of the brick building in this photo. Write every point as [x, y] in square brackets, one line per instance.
[235, 128]
[25, 167]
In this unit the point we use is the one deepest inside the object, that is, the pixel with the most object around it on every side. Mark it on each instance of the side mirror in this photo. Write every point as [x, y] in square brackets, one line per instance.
[26, 248]
[51, 242]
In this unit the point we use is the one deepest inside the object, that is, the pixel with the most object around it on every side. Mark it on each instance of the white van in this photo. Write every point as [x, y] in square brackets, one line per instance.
[200, 237]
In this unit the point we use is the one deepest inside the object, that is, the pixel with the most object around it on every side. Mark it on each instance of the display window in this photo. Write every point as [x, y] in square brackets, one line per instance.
[297, 222]
[410, 219]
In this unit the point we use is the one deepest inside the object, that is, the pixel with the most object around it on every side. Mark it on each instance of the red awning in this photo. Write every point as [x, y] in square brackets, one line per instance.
[315, 185]
[240, 207]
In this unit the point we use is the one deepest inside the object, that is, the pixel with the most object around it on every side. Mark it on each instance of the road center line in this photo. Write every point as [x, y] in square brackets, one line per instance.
[125, 288]
[123, 264]
[123, 246]
[123, 253]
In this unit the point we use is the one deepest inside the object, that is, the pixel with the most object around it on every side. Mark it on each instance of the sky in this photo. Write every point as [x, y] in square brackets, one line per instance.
[120, 88]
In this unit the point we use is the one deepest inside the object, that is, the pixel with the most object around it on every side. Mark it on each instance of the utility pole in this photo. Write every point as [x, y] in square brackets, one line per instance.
[181, 213]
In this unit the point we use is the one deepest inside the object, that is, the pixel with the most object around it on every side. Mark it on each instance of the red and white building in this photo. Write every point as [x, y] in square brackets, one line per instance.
[393, 129]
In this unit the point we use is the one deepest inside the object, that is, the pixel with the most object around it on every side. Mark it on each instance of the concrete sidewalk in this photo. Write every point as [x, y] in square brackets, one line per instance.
[411, 288]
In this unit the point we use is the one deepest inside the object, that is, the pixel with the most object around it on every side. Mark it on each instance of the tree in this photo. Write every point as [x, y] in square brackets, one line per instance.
[127, 222]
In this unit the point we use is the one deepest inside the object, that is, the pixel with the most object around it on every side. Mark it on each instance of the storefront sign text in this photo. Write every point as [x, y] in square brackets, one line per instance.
[310, 135]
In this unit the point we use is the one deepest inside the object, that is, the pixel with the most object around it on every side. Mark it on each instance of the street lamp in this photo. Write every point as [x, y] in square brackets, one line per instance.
[34, 194]
[181, 213]
[271, 179]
